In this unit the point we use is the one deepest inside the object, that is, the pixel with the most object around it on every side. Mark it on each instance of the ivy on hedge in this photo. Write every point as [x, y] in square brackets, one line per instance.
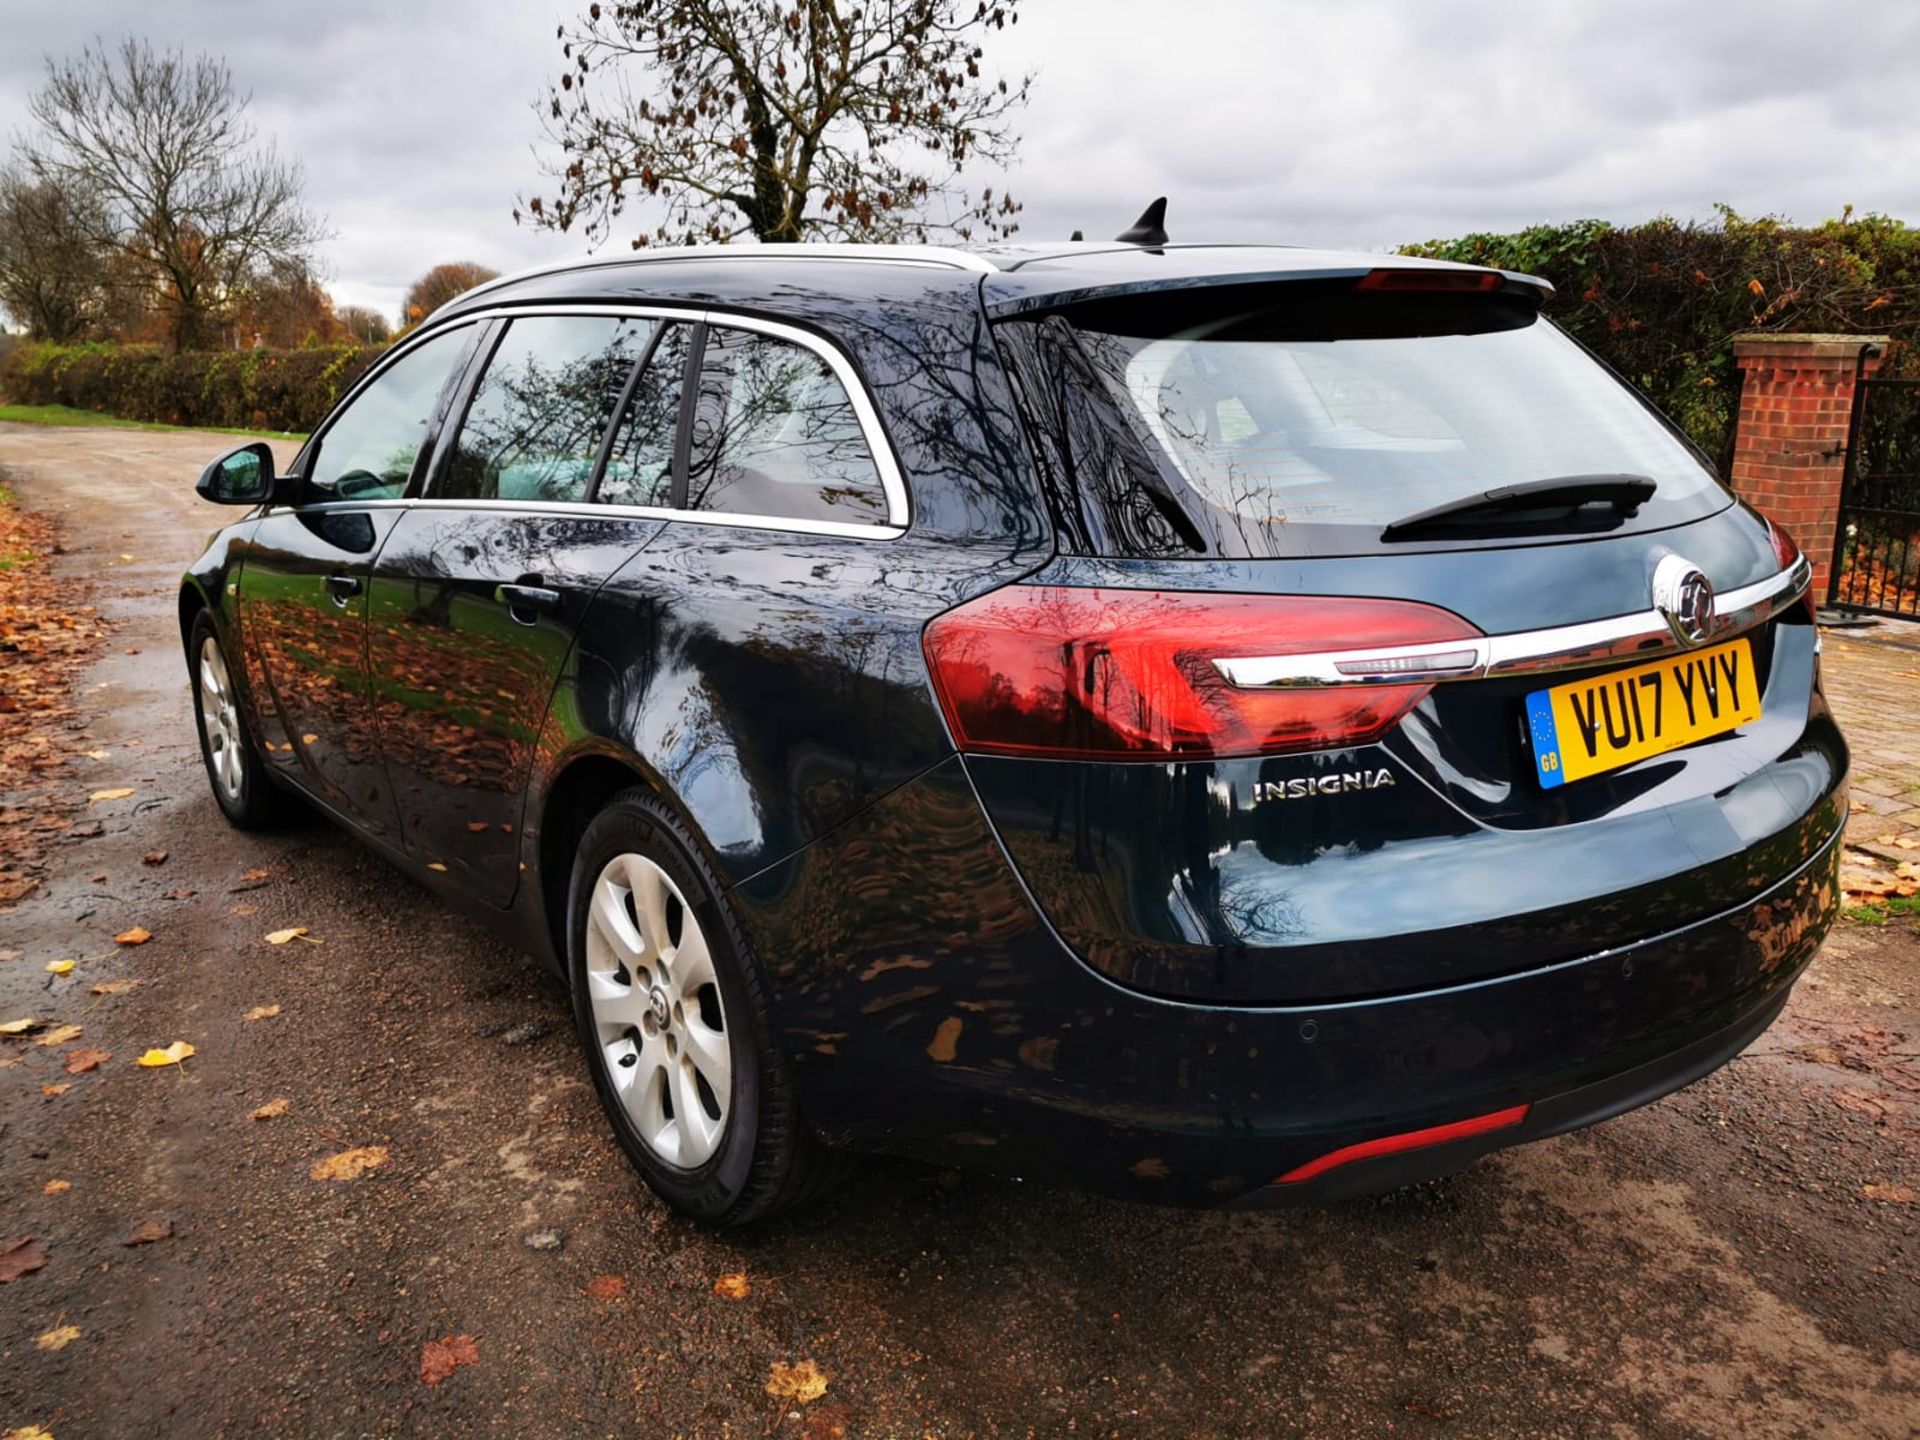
[1661, 302]
[236, 389]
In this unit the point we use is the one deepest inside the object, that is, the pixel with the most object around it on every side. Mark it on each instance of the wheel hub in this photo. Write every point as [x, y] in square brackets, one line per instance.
[657, 1012]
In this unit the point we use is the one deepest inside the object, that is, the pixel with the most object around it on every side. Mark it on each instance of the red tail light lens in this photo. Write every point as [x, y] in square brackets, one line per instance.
[1039, 670]
[1784, 548]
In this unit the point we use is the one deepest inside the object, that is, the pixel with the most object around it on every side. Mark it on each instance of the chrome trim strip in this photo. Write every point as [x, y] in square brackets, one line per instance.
[852, 530]
[943, 256]
[892, 481]
[1526, 652]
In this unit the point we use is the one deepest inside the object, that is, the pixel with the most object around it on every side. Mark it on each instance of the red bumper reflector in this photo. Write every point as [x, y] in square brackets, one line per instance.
[1410, 1140]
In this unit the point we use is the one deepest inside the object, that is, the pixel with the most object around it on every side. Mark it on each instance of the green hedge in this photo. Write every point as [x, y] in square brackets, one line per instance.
[231, 389]
[1661, 302]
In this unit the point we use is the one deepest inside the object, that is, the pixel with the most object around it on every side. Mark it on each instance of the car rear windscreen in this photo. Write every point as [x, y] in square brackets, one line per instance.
[1308, 423]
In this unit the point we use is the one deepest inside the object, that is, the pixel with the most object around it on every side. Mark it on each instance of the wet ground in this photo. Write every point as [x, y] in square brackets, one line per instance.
[1743, 1257]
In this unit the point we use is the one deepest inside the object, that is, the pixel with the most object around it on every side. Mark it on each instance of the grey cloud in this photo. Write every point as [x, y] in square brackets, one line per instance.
[1368, 122]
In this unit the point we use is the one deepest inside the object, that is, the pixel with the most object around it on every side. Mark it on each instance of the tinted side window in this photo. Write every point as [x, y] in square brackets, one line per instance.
[532, 430]
[369, 451]
[775, 434]
[640, 463]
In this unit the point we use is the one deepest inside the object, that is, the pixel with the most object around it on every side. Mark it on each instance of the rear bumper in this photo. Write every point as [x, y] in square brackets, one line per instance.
[977, 1038]
[1569, 1110]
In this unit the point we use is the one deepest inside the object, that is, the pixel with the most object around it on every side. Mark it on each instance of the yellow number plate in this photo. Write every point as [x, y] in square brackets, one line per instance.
[1590, 726]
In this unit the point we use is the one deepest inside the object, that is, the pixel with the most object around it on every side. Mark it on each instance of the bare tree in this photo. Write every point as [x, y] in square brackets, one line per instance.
[52, 266]
[438, 286]
[192, 200]
[368, 327]
[782, 119]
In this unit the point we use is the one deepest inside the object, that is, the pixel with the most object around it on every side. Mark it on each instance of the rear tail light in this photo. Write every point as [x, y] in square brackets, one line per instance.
[1788, 554]
[1062, 673]
[1784, 548]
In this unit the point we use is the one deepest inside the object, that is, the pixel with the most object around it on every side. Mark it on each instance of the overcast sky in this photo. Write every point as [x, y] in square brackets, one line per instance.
[1366, 123]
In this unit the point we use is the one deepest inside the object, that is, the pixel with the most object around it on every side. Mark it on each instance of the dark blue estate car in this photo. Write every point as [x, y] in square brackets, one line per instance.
[1226, 725]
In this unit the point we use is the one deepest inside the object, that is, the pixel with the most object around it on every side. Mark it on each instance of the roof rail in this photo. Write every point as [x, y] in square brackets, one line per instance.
[942, 255]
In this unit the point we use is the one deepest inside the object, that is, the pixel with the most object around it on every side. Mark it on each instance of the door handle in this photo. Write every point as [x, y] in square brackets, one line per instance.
[342, 588]
[522, 601]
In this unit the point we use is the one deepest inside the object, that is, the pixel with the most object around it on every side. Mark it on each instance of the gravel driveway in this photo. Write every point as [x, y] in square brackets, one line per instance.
[1714, 1264]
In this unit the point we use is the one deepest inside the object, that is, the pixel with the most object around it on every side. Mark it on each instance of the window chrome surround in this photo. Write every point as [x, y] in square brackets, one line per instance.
[1526, 652]
[943, 257]
[892, 481]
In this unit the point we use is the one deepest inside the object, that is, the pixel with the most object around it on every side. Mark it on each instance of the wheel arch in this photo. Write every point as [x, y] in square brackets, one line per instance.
[578, 789]
[190, 602]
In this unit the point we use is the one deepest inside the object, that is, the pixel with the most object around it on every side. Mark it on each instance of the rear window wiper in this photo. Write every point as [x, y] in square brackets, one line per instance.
[1626, 493]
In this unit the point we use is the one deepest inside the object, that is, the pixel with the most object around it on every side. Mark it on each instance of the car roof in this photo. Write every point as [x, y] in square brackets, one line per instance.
[1012, 278]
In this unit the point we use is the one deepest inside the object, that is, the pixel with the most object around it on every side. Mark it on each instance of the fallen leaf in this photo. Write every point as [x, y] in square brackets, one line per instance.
[436, 865]
[148, 1231]
[172, 1055]
[607, 1287]
[81, 1061]
[60, 967]
[1861, 1102]
[58, 1339]
[59, 1035]
[20, 1255]
[56, 1187]
[732, 1287]
[27, 1432]
[114, 987]
[54, 1092]
[110, 794]
[308, 739]
[18, 1027]
[440, 1358]
[135, 936]
[249, 876]
[244, 909]
[349, 1164]
[476, 827]
[270, 1109]
[804, 1382]
[263, 1012]
[154, 857]
[946, 1039]
[1889, 1194]
[180, 894]
[287, 937]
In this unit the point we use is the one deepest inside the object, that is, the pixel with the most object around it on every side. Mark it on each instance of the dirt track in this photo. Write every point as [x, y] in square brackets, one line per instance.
[1710, 1265]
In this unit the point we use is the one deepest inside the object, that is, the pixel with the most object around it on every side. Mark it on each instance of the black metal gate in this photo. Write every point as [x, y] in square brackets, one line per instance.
[1876, 545]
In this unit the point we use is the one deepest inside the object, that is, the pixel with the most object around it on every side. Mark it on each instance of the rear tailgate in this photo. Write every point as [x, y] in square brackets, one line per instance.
[1200, 816]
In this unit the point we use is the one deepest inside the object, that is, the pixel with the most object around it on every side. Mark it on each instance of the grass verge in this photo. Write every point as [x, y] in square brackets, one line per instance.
[67, 415]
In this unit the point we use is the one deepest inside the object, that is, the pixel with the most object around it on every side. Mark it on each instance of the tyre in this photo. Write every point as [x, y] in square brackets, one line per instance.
[674, 1016]
[243, 789]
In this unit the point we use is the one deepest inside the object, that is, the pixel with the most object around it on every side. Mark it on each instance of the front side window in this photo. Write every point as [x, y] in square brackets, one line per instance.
[370, 450]
[775, 434]
[533, 428]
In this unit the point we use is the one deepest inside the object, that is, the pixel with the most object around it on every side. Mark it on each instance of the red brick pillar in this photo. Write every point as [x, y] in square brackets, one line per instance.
[1789, 450]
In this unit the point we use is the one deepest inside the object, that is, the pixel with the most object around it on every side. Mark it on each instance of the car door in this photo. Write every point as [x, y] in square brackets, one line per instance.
[302, 591]
[769, 698]
[482, 583]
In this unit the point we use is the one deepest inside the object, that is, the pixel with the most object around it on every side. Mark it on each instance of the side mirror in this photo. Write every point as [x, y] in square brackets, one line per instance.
[241, 477]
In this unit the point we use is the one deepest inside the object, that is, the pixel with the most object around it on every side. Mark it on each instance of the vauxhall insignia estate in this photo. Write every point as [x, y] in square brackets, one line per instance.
[1222, 725]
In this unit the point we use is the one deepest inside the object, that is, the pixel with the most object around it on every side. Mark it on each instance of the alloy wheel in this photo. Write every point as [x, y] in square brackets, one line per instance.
[220, 719]
[657, 1012]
